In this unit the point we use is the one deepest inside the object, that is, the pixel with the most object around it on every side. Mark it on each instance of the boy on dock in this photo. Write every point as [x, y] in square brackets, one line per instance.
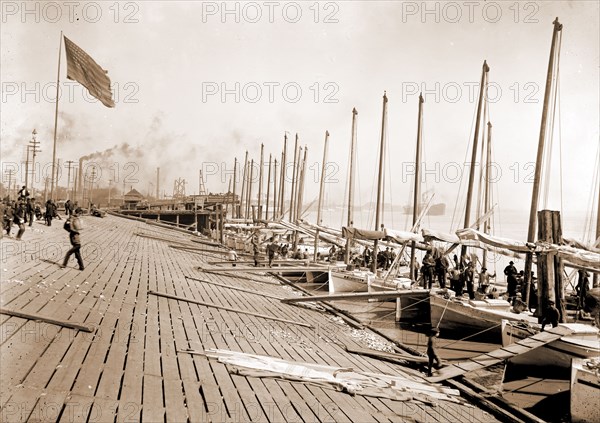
[73, 226]
[232, 256]
[272, 248]
[431, 353]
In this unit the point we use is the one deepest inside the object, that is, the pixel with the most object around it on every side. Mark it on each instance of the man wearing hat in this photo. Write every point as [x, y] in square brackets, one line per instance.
[551, 315]
[511, 279]
[484, 280]
[73, 226]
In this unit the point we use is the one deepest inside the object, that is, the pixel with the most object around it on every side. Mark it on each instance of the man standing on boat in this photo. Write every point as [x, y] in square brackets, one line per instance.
[428, 269]
[469, 276]
[455, 280]
[511, 279]
[441, 268]
[484, 280]
[583, 284]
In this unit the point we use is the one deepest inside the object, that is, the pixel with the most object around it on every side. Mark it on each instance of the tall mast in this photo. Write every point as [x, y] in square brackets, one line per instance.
[301, 185]
[417, 187]
[283, 176]
[260, 181]
[321, 190]
[275, 189]
[249, 191]
[350, 221]
[379, 181]
[293, 180]
[486, 194]
[234, 204]
[540, 154]
[268, 191]
[242, 210]
[296, 194]
[595, 283]
[467, 223]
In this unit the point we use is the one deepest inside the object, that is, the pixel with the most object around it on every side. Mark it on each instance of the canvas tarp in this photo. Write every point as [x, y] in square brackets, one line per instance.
[355, 382]
[355, 233]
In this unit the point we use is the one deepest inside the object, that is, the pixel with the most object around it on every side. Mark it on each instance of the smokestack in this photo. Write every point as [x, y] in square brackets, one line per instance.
[79, 181]
[157, 181]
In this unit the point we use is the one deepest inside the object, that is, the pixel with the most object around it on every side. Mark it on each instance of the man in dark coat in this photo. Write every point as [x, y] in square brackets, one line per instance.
[68, 210]
[441, 268]
[511, 279]
[9, 217]
[29, 211]
[49, 212]
[19, 218]
[23, 193]
[469, 277]
[428, 267]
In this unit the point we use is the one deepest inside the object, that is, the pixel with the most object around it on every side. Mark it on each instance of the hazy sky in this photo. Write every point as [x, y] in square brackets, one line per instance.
[301, 67]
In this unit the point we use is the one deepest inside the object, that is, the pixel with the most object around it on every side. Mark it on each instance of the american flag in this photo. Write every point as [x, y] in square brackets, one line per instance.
[83, 69]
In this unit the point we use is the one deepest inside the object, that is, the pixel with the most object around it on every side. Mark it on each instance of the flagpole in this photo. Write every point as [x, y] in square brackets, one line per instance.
[56, 122]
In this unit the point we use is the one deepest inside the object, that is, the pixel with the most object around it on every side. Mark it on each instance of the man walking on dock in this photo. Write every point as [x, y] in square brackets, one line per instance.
[431, 352]
[73, 225]
[19, 218]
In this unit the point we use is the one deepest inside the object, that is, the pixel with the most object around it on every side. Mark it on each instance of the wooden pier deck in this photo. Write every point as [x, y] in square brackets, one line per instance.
[133, 365]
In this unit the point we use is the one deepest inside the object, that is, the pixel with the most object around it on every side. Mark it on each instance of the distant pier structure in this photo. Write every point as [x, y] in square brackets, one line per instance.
[203, 213]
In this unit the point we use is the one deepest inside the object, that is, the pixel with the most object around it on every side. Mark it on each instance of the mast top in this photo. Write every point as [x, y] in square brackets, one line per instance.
[354, 112]
[489, 124]
[557, 25]
[421, 100]
[385, 99]
[486, 67]
[326, 133]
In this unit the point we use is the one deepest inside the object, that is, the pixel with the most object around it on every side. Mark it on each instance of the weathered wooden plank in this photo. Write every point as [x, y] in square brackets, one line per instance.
[235, 288]
[202, 303]
[153, 408]
[47, 319]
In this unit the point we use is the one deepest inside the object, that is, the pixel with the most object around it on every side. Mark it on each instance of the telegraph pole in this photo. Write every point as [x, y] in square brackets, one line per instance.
[69, 163]
[93, 177]
[10, 174]
[33, 145]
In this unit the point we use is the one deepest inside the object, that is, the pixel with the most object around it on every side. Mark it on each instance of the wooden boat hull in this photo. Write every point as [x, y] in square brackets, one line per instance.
[349, 281]
[459, 318]
[311, 277]
[556, 356]
[584, 391]
[414, 305]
